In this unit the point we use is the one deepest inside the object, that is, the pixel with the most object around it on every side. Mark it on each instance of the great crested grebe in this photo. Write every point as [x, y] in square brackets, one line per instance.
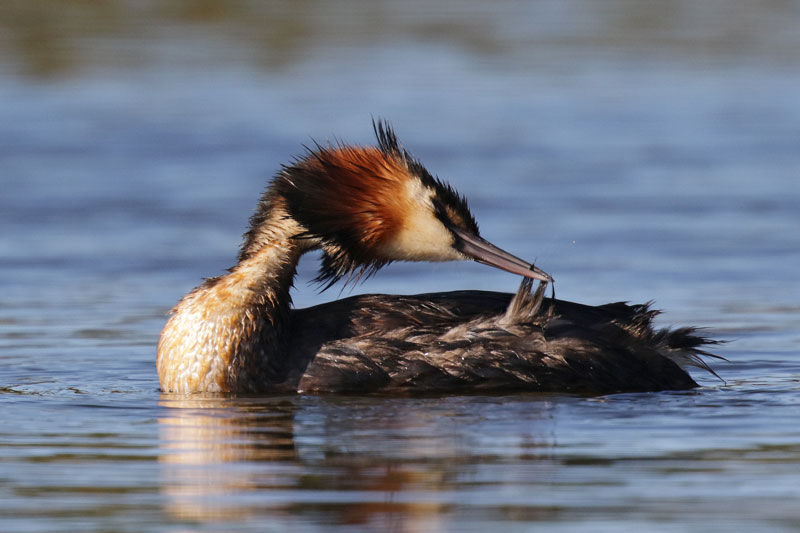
[366, 207]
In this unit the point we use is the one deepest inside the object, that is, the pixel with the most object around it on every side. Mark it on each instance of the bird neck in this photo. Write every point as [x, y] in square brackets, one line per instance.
[228, 334]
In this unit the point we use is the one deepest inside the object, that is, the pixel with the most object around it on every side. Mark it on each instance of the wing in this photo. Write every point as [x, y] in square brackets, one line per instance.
[476, 341]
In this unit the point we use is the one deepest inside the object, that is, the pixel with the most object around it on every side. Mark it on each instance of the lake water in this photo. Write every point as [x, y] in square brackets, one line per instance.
[635, 150]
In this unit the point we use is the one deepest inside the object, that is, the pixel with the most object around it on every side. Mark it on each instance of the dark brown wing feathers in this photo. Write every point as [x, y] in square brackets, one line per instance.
[487, 341]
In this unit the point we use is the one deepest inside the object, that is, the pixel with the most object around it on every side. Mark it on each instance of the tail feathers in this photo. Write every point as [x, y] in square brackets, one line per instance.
[683, 346]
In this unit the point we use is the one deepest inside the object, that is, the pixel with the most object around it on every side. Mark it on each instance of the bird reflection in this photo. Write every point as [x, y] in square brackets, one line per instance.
[397, 464]
[205, 446]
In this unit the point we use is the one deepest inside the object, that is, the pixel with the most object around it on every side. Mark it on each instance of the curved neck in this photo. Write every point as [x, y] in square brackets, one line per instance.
[228, 334]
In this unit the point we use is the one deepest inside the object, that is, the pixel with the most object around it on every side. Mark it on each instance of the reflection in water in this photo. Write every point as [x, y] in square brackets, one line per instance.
[345, 461]
[204, 445]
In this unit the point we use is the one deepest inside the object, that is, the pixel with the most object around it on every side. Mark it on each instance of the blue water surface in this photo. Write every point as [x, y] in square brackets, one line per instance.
[635, 150]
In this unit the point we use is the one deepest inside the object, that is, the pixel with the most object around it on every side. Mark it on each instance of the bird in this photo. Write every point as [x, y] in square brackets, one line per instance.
[365, 207]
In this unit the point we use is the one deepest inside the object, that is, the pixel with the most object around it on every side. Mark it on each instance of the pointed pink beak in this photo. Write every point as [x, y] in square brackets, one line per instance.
[487, 253]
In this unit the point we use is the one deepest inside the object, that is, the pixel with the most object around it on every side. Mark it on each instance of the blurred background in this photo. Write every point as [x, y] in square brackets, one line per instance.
[635, 149]
[620, 139]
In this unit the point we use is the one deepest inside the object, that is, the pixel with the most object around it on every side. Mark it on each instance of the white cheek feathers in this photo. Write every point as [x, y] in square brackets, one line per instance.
[422, 236]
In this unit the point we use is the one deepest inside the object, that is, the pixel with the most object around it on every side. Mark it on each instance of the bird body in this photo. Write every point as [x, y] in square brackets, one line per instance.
[471, 341]
[365, 207]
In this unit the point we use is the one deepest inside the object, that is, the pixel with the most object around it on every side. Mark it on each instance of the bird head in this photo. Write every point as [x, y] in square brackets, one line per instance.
[369, 206]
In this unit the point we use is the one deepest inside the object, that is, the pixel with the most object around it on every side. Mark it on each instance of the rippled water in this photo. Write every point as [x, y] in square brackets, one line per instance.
[644, 150]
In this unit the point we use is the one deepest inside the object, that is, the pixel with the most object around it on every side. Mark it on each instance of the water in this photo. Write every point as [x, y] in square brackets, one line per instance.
[637, 151]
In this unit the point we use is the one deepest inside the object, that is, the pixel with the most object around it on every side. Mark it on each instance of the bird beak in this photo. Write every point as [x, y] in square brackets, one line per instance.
[487, 253]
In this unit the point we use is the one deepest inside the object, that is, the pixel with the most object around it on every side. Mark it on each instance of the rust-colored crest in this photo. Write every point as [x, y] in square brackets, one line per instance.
[355, 200]
[352, 198]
